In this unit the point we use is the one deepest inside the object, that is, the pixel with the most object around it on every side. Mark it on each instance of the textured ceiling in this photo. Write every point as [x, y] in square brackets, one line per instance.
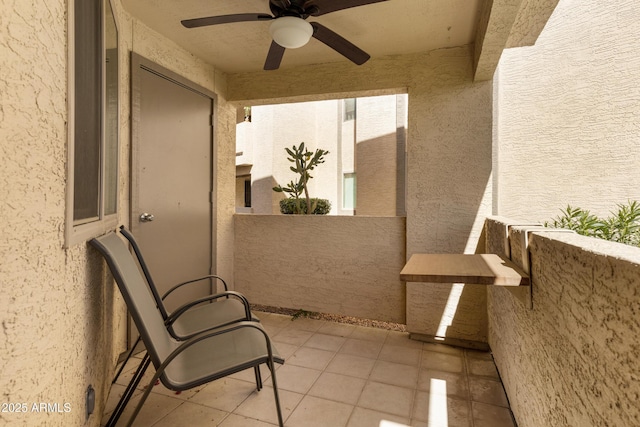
[388, 28]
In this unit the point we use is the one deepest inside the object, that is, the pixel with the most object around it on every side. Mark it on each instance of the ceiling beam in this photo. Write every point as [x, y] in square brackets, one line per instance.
[507, 23]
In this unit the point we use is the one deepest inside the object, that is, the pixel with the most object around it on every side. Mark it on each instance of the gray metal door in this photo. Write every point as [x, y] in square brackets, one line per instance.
[172, 179]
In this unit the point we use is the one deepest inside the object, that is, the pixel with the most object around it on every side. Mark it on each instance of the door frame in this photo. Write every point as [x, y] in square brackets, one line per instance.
[139, 65]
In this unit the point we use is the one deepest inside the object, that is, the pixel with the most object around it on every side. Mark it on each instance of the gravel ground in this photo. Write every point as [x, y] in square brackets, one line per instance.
[296, 313]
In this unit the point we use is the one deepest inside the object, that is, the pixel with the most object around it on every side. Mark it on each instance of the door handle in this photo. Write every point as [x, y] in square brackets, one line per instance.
[146, 217]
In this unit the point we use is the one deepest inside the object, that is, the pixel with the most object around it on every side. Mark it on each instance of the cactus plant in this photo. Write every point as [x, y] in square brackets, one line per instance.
[304, 161]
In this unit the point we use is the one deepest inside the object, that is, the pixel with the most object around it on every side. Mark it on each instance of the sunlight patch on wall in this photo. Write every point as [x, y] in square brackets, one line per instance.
[449, 310]
[486, 205]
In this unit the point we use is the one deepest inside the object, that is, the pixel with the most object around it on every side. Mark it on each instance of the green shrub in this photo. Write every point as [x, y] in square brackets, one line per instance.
[623, 226]
[299, 206]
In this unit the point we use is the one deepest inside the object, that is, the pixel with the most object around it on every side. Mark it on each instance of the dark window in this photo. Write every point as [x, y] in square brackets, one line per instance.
[247, 193]
[95, 111]
[87, 109]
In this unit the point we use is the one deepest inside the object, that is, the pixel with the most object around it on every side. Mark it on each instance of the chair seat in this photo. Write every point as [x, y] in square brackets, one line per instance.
[200, 318]
[218, 356]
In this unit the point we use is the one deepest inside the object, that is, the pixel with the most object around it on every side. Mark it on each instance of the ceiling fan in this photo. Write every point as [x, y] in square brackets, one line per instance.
[289, 28]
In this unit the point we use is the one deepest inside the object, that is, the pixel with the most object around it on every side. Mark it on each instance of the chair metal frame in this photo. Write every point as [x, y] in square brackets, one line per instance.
[190, 309]
[121, 261]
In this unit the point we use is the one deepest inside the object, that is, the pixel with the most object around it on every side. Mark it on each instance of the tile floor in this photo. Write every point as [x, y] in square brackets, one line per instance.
[338, 375]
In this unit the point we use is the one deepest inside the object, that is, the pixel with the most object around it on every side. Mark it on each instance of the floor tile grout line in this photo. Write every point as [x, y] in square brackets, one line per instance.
[468, 381]
[285, 419]
[415, 391]
[369, 380]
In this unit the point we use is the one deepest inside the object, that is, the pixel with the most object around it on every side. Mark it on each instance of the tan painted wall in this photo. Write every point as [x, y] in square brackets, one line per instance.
[572, 360]
[568, 113]
[454, 314]
[62, 326]
[64, 323]
[330, 264]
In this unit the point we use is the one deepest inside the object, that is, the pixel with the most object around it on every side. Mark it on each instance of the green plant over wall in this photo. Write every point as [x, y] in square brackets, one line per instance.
[293, 206]
[305, 161]
[622, 226]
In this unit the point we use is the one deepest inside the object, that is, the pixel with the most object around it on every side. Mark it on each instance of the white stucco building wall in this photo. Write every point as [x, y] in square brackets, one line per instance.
[566, 114]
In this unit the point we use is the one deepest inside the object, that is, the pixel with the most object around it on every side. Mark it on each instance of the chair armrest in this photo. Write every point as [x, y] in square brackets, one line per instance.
[188, 282]
[184, 308]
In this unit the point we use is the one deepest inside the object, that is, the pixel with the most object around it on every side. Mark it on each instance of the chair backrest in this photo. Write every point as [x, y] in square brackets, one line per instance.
[137, 296]
[147, 274]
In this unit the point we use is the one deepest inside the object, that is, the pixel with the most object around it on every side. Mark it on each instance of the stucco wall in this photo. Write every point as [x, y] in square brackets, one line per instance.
[62, 323]
[573, 359]
[444, 313]
[567, 113]
[330, 264]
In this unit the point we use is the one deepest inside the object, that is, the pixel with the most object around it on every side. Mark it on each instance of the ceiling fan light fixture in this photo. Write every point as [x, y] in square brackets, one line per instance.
[290, 32]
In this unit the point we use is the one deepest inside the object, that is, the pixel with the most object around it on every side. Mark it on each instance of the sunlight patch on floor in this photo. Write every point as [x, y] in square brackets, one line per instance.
[438, 403]
[385, 423]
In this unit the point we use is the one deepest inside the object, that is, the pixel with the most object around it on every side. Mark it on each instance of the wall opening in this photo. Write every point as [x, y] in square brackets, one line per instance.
[364, 172]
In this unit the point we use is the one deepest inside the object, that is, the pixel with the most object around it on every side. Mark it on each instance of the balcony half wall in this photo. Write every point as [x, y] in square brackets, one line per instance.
[573, 358]
[346, 265]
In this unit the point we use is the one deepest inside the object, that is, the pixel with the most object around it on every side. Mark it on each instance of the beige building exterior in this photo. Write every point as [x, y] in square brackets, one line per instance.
[566, 110]
[363, 173]
[557, 125]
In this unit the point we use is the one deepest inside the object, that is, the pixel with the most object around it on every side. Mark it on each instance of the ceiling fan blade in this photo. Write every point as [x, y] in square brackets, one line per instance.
[282, 4]
[328, 6]
[225, 19]
[274, 57]
[339, 44]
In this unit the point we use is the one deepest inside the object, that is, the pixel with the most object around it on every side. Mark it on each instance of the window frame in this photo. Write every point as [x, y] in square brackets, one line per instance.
[79, 231]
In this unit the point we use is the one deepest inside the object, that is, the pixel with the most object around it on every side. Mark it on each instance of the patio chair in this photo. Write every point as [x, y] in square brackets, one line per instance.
[188, 320]
[195, 316]
[202, 358]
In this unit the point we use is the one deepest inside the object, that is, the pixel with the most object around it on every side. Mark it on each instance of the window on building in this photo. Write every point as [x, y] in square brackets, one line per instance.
[93, 125]
[349, 109]
[247, 193]
[349, 191]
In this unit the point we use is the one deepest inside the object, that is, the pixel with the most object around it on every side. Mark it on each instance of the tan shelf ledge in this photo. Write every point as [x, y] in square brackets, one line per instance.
[478, 269]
